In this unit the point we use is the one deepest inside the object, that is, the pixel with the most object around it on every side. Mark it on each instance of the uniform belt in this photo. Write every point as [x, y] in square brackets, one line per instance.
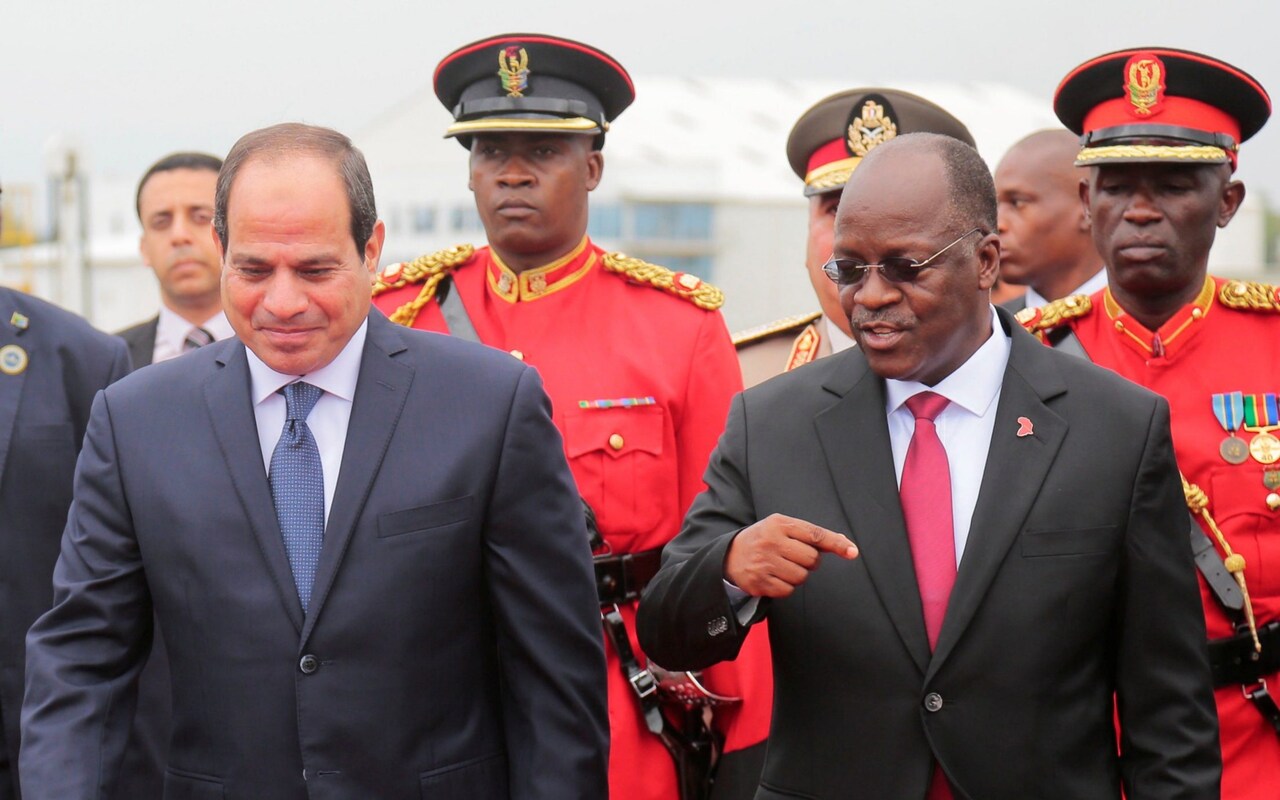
[1235, 661]
[621, 579]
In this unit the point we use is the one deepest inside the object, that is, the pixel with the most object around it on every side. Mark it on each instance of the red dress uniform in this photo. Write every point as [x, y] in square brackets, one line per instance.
[1210, 347]
[595, 334]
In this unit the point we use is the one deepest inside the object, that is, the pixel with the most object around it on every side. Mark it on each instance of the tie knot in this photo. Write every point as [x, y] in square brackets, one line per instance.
[927, 405]
[299, 399]
[197, 337]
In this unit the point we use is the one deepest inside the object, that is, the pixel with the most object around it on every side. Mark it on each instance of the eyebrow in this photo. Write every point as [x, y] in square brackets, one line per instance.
[314, 261]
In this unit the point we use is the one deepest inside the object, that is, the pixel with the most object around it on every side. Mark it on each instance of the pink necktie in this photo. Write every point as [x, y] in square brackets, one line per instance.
[926, 508]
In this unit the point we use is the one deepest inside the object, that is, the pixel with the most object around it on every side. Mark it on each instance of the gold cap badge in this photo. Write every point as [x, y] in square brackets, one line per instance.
[871, 128]
[1145, 88]
[513, 69]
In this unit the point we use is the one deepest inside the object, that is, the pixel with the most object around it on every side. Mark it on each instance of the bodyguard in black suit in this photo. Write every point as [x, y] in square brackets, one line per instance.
[1070, 577]
[377, 585]
[52, 363]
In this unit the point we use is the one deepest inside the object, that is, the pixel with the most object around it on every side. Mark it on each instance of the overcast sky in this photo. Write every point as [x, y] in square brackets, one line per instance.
[132, 80]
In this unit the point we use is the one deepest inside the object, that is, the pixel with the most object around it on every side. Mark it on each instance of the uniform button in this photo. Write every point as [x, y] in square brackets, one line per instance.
[519, 355]
[616, 442]
[1119, 325]
[308, 664]
[933, 702]
[1273, 501]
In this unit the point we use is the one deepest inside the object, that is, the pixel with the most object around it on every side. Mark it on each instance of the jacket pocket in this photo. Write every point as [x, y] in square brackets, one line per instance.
[183, 785]
[1077, 542]
[424, 518]
[485, 776]
[618, 459]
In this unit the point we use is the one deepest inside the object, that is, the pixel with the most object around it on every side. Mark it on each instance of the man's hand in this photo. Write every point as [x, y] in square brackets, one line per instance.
[775, 555]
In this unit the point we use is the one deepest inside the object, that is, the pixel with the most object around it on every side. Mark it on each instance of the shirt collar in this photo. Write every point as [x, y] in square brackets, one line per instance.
[973, 386]
[338, 377]
[1094, 284]
[840, 341]
[173, 328]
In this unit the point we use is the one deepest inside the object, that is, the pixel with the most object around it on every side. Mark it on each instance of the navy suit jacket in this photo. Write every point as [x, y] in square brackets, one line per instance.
[1076, 586]
[44, 409]
[452, 648]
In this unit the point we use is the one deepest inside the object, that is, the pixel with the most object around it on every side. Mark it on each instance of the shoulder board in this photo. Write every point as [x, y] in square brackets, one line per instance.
[1250, 296]
[769, 329]
[1036, 320]
[681, 284]
[421, 268]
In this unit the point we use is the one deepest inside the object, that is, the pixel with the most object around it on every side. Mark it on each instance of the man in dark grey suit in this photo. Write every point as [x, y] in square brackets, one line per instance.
[174, 203]
[362, 542]
[52, 363]
[966, 544]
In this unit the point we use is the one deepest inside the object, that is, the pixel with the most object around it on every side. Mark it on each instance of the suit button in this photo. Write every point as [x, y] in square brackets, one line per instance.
[309, 664]
[615, 441]
[933, 702]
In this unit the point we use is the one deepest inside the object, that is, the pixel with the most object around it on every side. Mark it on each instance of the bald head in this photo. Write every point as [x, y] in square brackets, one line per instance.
[1044, 233]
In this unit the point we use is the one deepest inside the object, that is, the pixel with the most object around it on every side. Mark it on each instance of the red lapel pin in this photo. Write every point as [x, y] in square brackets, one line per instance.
[1024, 427]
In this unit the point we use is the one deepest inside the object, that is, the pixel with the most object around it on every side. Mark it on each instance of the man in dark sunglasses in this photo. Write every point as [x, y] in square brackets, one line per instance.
[966, 544]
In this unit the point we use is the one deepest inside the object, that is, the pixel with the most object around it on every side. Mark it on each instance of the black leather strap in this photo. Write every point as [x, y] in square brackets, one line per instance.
[489, 106]
[1210, 564]
[1265, 703]
[621, 579]
[1235, 660]
[1159, 132]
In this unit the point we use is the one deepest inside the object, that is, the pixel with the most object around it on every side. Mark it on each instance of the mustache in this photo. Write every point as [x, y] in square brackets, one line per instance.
[862, 317]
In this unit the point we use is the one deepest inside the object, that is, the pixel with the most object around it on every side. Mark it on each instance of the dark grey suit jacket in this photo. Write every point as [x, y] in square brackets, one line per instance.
[452, 648]
[141, 339]
[44, 410]
[1076, 585]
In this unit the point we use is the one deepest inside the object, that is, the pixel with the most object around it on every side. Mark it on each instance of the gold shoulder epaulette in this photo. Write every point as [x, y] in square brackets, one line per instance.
[1250, 296]
[429, 270]
[1043, 318]
[422, 268]
[681, 284]
[784, 325]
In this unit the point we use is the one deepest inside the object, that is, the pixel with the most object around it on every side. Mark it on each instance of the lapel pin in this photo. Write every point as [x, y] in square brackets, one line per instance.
[19, 321]
[1025, 427]
[13, 359]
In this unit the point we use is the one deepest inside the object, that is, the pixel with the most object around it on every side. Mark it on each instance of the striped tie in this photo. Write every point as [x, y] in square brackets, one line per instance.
[196, 337]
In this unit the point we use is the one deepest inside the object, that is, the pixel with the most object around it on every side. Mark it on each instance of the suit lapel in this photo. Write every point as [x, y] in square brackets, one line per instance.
[1015, 470]
[855, 441]
[227, 395]
[10, 395]
[381, 391]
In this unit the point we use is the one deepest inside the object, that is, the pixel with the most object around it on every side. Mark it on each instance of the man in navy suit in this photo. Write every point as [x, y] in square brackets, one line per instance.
[362, 542]
[52, 363]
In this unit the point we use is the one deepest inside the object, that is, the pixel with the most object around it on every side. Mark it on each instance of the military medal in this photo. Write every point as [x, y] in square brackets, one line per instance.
[13, 359]
[1271, 479]
[1228, 407]
[1261, 417]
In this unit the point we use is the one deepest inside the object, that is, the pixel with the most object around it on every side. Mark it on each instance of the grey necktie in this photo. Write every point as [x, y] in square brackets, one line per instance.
[196, 337]
[297, 487]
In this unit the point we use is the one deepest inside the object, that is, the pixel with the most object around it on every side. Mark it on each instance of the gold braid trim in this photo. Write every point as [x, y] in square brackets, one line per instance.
[1046, 317]
[1250, 296]
[1152, 152]
[1198, 502]
[430, 270]
[681, 284]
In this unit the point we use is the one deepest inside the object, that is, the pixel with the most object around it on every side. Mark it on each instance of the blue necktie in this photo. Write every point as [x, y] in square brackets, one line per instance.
[297, 487]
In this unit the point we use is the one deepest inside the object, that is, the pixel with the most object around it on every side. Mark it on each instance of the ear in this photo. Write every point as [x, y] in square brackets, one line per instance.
[1087, 218]
[988, 253]
[217, 242]
[373, 248]
[1232, 197]
[595, 169]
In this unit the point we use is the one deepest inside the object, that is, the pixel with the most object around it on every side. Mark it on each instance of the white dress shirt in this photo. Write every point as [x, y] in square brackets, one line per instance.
[329, 419]
[1099, 280]
[172, 330]
[840, 341]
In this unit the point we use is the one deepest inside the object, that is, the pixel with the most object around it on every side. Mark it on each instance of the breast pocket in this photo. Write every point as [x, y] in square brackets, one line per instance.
[618, 459]
[1073, 542]
[428, 519]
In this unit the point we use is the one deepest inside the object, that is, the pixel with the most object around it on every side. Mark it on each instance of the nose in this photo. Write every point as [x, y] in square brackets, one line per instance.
[284, 297]
[181, 231]
[1002, 220]
[874, 292]
[515, 172]
[1142, 209]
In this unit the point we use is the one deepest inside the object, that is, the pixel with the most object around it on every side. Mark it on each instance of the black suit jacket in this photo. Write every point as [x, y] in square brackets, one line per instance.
[1076, 585]
[44, 410]
[141, 339]
[452, 647]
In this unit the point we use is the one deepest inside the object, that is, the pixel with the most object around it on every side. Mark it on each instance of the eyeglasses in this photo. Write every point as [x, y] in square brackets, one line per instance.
[895, 269]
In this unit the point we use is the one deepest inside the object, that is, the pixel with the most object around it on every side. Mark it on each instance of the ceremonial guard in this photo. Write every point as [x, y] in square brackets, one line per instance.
[1161, 130]
[635, 357]
[825, 146]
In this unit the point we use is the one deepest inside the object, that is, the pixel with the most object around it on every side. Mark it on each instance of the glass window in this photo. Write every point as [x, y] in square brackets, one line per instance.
[466, 218]
[424, 219]
[605, 221]
[673, 221]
